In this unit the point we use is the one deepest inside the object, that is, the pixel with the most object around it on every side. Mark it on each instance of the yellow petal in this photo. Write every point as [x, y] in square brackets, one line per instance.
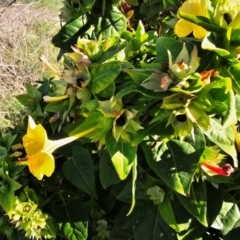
[53, 145]
[183, 28]
[41, 164]
[35, 139]
[49, 66]
[199, 32]
[54, 99]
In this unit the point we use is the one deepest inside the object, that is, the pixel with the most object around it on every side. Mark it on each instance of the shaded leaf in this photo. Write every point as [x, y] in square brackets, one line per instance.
[167, 213]
[149, 225]
[196, 202]
[68, 31]
[80, 171]
[176, 166]
[165, 43]
[108, 175]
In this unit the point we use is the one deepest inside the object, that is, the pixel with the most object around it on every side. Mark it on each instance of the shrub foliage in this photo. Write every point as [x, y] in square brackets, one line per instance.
[137, 136]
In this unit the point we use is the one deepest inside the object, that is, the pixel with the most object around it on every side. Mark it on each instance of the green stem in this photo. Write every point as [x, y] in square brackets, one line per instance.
[236, 187]
[103, 7]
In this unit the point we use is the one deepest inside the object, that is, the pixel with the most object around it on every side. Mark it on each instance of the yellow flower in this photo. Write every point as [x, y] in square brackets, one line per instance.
[196, 8]
[39, 148]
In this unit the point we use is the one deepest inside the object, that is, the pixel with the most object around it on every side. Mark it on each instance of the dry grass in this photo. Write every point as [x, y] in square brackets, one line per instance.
[26, 33]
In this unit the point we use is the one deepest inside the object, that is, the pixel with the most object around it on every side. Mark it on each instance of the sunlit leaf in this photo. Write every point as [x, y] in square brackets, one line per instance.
[195, 203]
[227, 218]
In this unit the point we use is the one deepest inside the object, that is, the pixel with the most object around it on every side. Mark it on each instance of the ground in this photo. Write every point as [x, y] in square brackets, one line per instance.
[27, 28]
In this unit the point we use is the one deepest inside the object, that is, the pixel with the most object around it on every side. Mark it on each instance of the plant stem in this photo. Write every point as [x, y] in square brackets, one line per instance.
[103, 7]
[236, 187]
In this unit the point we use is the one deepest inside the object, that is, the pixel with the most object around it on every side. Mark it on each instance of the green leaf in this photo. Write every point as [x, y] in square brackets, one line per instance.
[166, 43]
[190, 228]
[123, 191]
[157, 128]
[148, 224]
[209, 44]
[110, 48]
[196, 202]
[143, 91]
[176, 166]
[112, 24]
[69, 30]
[237, 97]
[138, 75]
[224, 138]
[7, 201]
[103, 75]
[202, 22]
[122, 155]
[233, 234]
[80, 171]
[122, 228]
[214, 201]
[167, 213]
[134, 178]
[233, 72]
[231, 115]
[227, 218]
[31, 100]
[235, 37]
[198, 142]
[88, 4]
[8, 141]
[66, 212]
[17, 234]
[3, 152]
[90, 122]
[8, 187]
[75, 230]
[132, 2]
[108, 175]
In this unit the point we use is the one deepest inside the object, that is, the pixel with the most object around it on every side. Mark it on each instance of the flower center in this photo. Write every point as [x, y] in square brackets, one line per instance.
[227, 17]
[121, 121]
[181, 118]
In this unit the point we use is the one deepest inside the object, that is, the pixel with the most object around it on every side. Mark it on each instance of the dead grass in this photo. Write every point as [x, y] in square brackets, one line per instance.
[26, 33]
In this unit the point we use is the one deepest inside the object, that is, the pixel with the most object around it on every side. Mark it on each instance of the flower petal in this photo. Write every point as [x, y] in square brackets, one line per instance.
[194, 60]
[35, 138]
[199, 32]
[41, 164]
[54, 99]
[183, 28]
[213, 169]
[183, 56]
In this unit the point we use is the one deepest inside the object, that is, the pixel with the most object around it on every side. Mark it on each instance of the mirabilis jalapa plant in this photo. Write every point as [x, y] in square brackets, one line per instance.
[136, 137]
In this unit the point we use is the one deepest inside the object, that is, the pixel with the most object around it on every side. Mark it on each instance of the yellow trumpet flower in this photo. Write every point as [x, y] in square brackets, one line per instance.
[39, 148]
[195, 8]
